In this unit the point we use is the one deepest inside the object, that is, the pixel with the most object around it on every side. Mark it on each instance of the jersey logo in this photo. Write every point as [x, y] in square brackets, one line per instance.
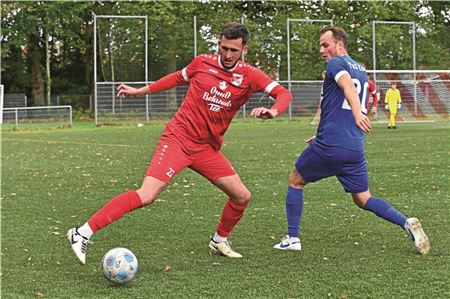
[170, 172]
[214, 107]
[223, 85]
[236, 79]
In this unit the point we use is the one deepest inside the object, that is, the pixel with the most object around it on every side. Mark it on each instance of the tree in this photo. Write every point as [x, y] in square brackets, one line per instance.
[43, 31]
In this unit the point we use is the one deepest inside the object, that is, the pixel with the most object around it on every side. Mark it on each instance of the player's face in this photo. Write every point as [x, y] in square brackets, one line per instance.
[231, 51]
[329, 47]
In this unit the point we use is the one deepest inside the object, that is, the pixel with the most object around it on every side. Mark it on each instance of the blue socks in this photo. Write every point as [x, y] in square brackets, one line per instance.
[294, 208]
[383, 209]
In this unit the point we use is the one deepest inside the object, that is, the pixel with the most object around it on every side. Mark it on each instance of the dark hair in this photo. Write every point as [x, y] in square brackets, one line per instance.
[339, 34]
[235, 30]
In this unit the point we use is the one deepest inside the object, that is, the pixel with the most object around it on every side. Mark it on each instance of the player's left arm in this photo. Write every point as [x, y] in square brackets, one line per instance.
[373, 91]
[282, 96]
[346, 84]
[282, 100]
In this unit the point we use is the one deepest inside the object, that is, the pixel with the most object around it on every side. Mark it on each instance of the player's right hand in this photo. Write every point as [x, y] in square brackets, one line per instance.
[125, 90]
[363, 123]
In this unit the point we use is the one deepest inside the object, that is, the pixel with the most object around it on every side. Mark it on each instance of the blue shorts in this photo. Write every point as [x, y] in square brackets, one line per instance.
[350, 167]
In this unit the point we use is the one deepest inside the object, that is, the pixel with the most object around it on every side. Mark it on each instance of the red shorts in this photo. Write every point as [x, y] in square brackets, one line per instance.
[173, 155]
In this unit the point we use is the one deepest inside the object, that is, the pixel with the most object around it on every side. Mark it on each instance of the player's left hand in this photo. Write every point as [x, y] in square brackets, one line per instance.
[399, 106]
[374, 110]
[264, 113]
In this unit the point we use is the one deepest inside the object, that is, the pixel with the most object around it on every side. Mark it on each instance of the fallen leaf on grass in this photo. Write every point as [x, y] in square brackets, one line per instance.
[167, 268]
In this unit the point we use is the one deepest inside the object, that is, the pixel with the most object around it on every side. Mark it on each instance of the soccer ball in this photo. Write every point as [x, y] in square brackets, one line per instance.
[119, 265]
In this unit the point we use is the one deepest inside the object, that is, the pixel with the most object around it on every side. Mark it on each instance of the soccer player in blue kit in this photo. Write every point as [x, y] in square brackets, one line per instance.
[338, 147]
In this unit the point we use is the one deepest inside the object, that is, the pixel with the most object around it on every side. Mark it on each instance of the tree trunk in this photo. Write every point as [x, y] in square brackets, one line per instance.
[37, 89]
[47, 68]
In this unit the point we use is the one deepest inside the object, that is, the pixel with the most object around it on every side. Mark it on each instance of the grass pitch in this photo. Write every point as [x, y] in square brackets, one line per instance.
[54, 179]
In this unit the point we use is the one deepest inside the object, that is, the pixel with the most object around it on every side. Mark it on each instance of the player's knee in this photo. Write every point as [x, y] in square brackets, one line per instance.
[360, 199]
[243, 198]
[296, 181]
[148, 196]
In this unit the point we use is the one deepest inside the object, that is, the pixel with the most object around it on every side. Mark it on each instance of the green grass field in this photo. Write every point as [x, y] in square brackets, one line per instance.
[54, 179]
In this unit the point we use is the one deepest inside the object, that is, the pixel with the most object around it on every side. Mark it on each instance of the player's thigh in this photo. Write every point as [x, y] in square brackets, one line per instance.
[212, 165]
[215, 167]
[168, 159]
[314, 164]
[353, 176]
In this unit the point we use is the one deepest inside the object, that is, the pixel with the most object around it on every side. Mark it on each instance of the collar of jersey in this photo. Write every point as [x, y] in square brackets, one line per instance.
[224, 68]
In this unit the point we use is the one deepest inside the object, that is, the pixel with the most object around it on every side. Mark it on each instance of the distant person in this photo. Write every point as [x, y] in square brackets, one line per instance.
[373, 92]
[393, 102]
[338, 147]
[219, 85]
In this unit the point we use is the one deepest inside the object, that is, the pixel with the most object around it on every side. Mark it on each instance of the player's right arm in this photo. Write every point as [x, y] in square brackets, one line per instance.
[167, 82]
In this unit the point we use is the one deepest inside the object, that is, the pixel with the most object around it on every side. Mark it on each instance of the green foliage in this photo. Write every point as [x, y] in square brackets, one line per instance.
[55, 179]
[68, 24]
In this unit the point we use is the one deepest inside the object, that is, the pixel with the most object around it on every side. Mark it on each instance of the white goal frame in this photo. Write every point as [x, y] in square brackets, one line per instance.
[1, 102]
[16, 111]
[96, 83]
[422, 100]
[288, 29]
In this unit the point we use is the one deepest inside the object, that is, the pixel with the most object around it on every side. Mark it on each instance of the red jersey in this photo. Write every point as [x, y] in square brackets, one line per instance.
[214, 96]
[373, 92]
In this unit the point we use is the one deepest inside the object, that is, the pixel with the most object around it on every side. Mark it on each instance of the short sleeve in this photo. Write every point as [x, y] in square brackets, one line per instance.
[336, 67]
[190, 70]
[260, 82]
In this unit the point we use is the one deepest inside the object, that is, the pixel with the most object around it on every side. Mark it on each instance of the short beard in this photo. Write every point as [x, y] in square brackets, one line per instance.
[226, 67]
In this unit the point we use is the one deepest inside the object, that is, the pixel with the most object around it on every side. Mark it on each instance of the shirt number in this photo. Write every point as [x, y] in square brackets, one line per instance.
[362, 98]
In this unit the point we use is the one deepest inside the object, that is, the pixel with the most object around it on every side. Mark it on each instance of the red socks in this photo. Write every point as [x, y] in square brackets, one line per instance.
[115, 209]
[231, 215]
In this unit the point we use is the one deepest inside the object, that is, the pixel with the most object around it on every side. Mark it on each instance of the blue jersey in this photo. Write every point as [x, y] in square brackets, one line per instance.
[337, 127]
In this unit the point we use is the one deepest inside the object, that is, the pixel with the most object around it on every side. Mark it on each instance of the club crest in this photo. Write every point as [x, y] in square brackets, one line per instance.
[223, 85]
[236, 80]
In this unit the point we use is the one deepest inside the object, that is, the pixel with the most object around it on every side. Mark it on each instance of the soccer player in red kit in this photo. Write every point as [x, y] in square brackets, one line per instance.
[373, 92]
[219, 84]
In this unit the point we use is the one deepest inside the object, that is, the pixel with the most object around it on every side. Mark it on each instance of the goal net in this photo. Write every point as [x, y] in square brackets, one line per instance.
[425, 94]
[120, 56]
[46, 115]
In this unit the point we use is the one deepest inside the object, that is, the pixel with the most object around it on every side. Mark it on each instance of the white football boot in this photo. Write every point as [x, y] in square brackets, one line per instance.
[79, 244]
[414, 230]
[288, 243]
[223, 248]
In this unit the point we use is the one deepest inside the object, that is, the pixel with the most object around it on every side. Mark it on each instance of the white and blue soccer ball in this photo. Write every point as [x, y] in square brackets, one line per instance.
[119, 265]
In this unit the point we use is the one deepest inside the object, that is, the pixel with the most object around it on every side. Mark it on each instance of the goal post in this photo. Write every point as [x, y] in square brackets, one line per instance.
[39, 114]
[425, 93]
[1, 103]
[120, 56]
[300, 84]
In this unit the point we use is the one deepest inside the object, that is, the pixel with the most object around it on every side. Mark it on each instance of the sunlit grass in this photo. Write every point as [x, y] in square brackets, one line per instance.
[54, 179]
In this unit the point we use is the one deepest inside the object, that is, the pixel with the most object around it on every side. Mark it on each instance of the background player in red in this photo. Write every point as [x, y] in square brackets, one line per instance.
[373, 92]
[219, 84]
